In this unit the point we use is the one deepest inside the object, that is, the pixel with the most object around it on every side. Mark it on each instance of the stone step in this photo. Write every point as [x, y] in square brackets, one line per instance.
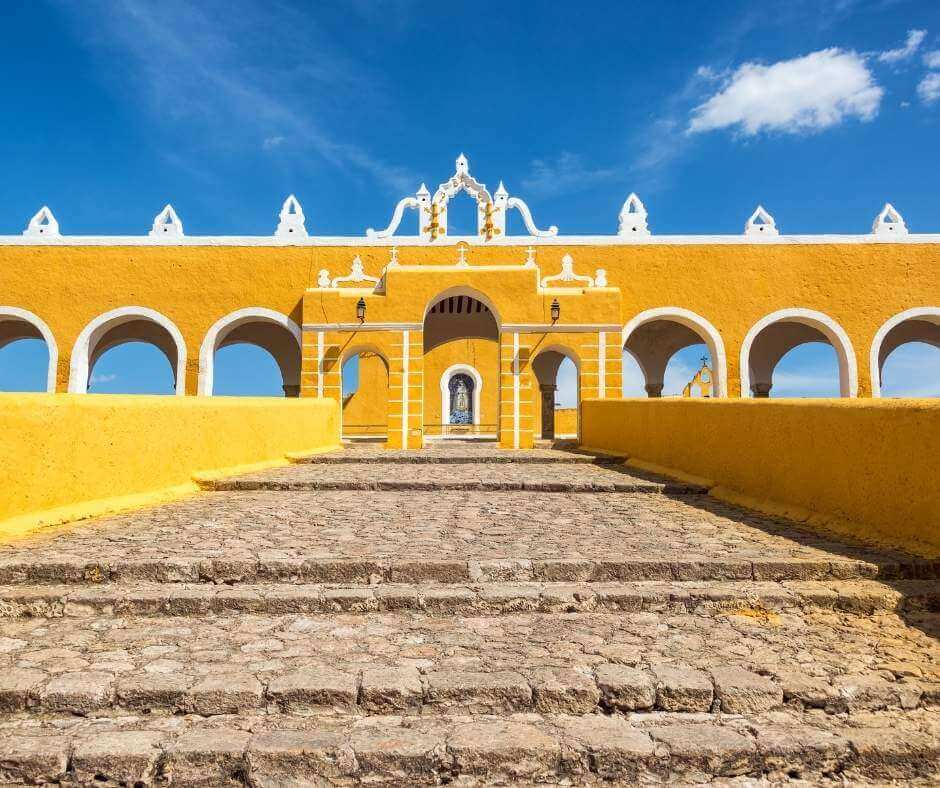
[607, 687]
[465, 750]
[186, 599]
[502, 477]
[448, 454]
[67, 570]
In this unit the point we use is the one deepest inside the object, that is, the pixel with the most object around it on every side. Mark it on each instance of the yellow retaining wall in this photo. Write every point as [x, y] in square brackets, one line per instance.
[68, 456]
[566, 421]
[865, 469]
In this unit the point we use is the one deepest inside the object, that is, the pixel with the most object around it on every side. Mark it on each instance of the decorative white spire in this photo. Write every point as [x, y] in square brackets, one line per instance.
[633, 217]
[292, 220]
[500, 191]
[42, 224]
[167, 224]
[761, 223]
[889, 222]
[463, 166]
[567, 275]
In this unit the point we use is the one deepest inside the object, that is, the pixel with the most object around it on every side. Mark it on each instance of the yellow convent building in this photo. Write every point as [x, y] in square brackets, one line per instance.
[465, 335]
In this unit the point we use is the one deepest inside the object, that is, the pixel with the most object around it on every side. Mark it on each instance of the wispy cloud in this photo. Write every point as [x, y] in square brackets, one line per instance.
[932, 59]
[911, 44]
[236, 72]
[274, 141]
[929, 88]
[802, 95]
[566, 174]
[95, 378]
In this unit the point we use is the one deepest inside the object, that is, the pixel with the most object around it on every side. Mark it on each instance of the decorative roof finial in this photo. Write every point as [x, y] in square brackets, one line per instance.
[292, 220]
[633, 217]
[761, 223]
[889, 222]
[42, 224]
[167, 224]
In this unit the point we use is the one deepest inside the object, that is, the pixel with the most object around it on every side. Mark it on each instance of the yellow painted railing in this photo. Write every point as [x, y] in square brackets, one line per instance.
[67, 456]
[863, 468]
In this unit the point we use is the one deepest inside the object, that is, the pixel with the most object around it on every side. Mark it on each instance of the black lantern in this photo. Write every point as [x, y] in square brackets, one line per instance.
[361, 310]
[556, 310]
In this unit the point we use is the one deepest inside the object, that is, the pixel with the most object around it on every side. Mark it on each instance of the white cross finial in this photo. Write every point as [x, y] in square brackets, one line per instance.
[530, 257]
[462, 256]
[394, 253]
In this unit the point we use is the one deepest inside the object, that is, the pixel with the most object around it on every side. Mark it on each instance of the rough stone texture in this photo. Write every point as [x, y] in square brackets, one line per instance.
[19, 688]
[33, 759]
[682, 689]
[292, 757]
[615, 749]
[122, 758]
[77, 692]
[707, 749]
[314, 688]
[742, 692]
[390, 690]
[500, 691]
[564, 691]
[208, 757]
[624, 688]
[514, 750]
[224, 693]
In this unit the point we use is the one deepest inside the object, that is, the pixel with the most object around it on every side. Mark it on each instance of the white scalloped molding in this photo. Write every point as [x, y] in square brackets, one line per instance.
[760, 224]
[167, 224]
[889, 223]
[291, 224]
[42, 225]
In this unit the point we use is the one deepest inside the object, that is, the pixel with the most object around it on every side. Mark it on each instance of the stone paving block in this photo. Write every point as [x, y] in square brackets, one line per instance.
[624, 688]
[117, 757]
[78, 692]
[209, 757]
[682, 689]
[33, 760]
[616, 750]
[293, 757]
[19, 688]
[711, 570]
[224, 693]
[429, 571]
[802, 752]
[625, 598]
[564, 691]
[238, 599]
[391, 690]
[702, 749]
[501, 570]
[479, 693]
[397, 597]
[293, 599]
[341, 570]
[567, 598]
[504, 749]
[891, 754]
[866, 691]
[447, 600]
[229, 569]
[777, 570]
[389, 752]
[743, 692]
[809, 691]
[163, 570]
[509, 597]
[349, 600]
[314, 688]
[147, 691]
[564, 570]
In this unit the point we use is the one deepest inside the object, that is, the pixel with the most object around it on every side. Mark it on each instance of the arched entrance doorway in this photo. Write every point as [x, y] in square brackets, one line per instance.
[461, 353]
[557, 373]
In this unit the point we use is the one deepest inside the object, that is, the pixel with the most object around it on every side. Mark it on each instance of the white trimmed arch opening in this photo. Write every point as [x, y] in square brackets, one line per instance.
[12, 314]
[458, 369]
[653, 354]
[920, 324]
[226, 331]
[758, 359]
[94, 340]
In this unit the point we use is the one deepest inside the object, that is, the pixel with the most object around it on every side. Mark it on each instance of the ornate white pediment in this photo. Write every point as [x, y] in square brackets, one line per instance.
[42, 224]
[167, 224]
[356, 275]
[568, 277]
[889, 223]
[432, 211]
[291, 224]
[761, 223]
[633, 217]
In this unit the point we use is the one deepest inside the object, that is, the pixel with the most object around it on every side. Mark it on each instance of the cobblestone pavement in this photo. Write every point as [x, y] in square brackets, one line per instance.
[456, 452]
[284, 636]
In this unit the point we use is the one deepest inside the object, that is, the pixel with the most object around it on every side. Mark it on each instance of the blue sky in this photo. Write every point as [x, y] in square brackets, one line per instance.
[820, 109]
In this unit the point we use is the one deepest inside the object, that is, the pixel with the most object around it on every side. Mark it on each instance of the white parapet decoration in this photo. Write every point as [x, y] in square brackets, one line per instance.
[356, 275]
[291, 224]
[633, 217]
[761, 223]
[889, 223]
[42, 224]
[568, 277]
[167, 224]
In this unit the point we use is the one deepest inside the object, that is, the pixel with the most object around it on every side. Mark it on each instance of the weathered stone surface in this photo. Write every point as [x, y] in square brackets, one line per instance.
[809, 691]
[299, 757]
[391, 690]
[224, 693]
[866, 692]
[78, 692]
[682, 689]
[615, 749]
[511, 750]
[624, 688]
[743, 692]
[396, 753]
[564, 691]
[481, 693]
[888, 753]
[208, 757]
[707, 749]
[19, 688]
[33, 759]
[802, 752]
[122, 758]
[153, 691]
[315, 688]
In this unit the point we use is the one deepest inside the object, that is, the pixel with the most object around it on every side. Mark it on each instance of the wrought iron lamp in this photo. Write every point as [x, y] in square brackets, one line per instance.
[556, 310]
[361, 310]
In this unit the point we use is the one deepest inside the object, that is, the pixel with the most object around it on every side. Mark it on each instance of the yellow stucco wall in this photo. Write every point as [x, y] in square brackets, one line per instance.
[867, 469]
[566, 421]
[365, 412]
[64, 456]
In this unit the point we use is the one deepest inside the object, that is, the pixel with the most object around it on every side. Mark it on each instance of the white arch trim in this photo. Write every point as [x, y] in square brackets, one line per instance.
[461, 290]
[225, 325]
[457, 369]
[931, 313]
[848, 368]
[696, 323]
[15, 313]
[92, 333]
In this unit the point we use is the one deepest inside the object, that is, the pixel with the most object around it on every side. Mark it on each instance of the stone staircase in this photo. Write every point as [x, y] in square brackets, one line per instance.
[462, 615]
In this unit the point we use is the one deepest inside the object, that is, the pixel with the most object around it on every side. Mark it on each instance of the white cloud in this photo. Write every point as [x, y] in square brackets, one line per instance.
[803, 95]
[932, 59]
[273, 142]
[914, 39]
[102, 378]
[566, 174]
[929, 88]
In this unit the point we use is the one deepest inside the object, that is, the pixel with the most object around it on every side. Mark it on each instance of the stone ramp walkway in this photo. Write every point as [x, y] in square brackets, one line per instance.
[290, 635]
